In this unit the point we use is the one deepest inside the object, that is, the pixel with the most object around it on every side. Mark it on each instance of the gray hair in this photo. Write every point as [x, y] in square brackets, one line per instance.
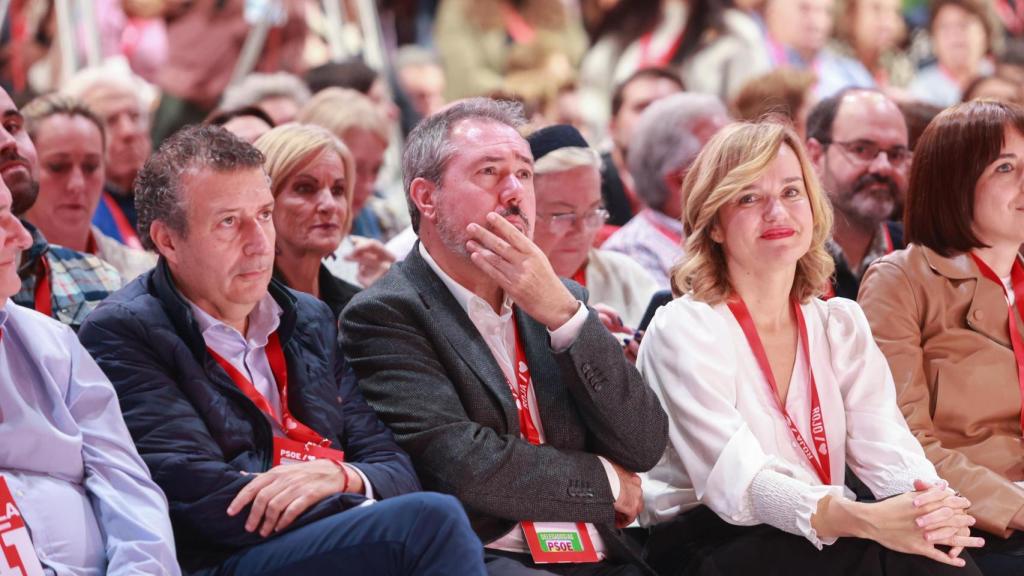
[565, 159]
[428, 148]
[257, 86]
[664, 140]
[158, 186]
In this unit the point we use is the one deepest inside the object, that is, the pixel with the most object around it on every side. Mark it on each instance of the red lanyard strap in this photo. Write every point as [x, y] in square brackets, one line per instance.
[820, 461]
[275, 357]
[663, 59]
[521, 390]
[43, 299]
[1016, 339]
[124, 227]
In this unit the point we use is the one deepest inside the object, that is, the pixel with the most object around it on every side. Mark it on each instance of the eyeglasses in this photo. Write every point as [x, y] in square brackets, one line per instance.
[563, 222]
[866, 151]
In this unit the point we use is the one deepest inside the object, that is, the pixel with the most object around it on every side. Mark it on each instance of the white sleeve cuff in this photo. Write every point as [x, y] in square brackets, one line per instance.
[563, 336]
[788, 504]
[613, 477]
[367, 487]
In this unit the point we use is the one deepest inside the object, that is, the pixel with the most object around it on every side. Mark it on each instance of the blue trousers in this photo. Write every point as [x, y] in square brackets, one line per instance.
[422, 533]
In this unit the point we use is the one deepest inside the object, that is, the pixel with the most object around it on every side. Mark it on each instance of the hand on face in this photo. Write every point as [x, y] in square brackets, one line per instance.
[520, 268]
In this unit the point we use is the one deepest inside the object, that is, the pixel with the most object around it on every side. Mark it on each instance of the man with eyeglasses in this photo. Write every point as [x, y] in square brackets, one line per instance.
[570, 211]
[858, 142]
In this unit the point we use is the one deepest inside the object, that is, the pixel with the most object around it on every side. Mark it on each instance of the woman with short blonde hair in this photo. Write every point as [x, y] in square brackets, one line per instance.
[312, 176]
[772, 392]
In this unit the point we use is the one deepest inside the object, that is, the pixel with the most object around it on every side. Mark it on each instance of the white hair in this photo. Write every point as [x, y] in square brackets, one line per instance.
[565, 159]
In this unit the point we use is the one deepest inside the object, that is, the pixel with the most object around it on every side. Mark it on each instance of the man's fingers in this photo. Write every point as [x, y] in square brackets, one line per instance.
[275, 507]
[485, 261]
[492, 242]
[509, 233]
[260, 503]
[294, 509]
[247, 493]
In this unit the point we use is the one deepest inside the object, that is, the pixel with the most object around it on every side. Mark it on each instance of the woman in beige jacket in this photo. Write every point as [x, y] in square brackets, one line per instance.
[947, 314]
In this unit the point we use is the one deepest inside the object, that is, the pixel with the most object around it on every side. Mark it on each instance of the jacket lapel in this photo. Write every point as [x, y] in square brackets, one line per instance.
[986, 314]
[461, 333]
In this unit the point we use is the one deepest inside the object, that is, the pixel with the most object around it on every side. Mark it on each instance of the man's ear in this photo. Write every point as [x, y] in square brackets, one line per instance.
[423, 194]
[165, 241]
[816, 150]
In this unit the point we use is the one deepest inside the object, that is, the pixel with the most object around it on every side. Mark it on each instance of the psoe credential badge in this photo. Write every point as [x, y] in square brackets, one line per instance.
[558, 542]
[17, 555]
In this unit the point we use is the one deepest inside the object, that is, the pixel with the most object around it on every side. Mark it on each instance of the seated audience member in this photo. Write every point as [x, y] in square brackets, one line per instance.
[119, 100]
[503, 386]
[69, 140]
[247, 122]
[871, 31]
[566, 181]
[939, 311]
[239, 400]
[961, 39]
[629, 100]
[57, 281]
[67, 463]
[312, 175]
[785, 91]
[798, 33]
[668, 136]
[994, 87]
[778, 391]
[281, 95]
[422, 78]
[353, 74]
[857, 140]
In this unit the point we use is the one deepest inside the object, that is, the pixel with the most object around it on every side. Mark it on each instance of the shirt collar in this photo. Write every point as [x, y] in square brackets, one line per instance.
[263, 321]
[878, 248]
[4, 314]
[466, 298]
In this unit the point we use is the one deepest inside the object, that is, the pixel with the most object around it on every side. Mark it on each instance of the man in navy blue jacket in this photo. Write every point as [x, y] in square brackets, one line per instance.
[239, 400]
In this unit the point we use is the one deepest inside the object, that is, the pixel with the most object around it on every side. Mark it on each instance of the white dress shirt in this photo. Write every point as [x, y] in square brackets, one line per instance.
[248, 354]
[498, 331]
[729, 446]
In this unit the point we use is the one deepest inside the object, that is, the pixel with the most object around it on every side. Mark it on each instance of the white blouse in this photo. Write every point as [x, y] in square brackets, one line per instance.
[729, 446]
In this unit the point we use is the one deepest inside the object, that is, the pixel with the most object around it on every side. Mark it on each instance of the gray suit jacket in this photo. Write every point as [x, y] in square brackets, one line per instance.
[424, 367]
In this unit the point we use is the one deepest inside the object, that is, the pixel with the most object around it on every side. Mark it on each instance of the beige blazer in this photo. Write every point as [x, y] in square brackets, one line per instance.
[943, 328]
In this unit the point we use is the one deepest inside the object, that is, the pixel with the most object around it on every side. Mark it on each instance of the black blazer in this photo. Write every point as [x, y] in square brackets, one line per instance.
[423, 366]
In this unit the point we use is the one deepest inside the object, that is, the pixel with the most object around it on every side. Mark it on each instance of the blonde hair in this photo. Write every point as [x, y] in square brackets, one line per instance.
[730, 162]
[341, 109]
[290, 147]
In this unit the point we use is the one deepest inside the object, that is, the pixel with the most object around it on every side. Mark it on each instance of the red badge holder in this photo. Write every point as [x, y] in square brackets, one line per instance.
[559, 542]
[288, 451]
[17, 555]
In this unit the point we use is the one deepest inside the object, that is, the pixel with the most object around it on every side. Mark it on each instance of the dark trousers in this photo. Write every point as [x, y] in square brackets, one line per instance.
[999, 556]
[702, 544]
[500, 563]
[422, 534]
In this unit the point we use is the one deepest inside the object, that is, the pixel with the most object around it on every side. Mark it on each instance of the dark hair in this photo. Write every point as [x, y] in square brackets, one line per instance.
[781, 91]
[158, 185]
[352, 73]
[631, 19]
[975, 85]
[951, 156]
[428, 150]
[823, 115]
[222, 117]
[652, 73]
[918, 115]
[974, 7]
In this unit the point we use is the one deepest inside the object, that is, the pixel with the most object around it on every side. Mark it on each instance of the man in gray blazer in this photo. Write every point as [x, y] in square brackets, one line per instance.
[504, 388]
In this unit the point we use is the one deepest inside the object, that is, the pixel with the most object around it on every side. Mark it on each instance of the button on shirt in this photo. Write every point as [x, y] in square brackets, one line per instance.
[68, 460]
[248, 354]
[498, 332]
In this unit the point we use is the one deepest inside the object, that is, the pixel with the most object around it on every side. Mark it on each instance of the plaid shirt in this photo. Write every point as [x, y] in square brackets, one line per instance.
[78, 282]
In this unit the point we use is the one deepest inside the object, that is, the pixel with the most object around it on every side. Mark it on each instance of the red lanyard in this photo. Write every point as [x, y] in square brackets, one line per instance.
[580, 277]
[647, 61]
[44, 303]
[667, 232]
[518, 28]
[820, 461]
[1016, 339]
[275, 356]
[124, 227]
[521, 391]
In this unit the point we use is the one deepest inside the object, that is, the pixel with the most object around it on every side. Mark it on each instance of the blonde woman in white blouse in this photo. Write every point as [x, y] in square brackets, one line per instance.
[769, 461]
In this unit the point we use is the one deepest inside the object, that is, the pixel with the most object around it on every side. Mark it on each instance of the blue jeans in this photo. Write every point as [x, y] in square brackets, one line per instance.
[421, 533]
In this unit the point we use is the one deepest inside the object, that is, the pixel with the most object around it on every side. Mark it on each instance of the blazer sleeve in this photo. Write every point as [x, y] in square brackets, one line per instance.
[498, 475]
[182, 456]
[369, 444]
[891, 305]
[626, 422]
